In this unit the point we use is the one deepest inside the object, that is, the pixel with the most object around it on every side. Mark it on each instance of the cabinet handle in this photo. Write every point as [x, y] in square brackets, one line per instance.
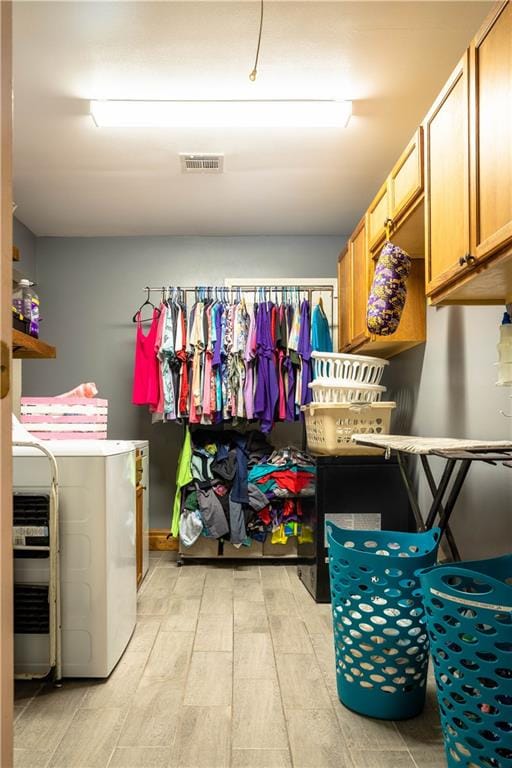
[467, 260]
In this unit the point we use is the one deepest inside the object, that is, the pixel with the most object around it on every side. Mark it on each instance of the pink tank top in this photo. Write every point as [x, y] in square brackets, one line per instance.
[145, 375]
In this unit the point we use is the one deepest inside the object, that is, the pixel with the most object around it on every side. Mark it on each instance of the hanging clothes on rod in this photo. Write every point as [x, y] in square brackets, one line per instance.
[228, 360]
[321, 340]
[161, 361]
[146, 374]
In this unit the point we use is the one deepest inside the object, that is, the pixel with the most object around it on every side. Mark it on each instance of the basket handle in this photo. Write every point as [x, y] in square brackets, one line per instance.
[497, 598]
[470, 603]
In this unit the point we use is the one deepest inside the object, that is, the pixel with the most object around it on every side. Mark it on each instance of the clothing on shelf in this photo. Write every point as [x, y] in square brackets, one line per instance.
[235, 487]
[228, 360]
[286, 473]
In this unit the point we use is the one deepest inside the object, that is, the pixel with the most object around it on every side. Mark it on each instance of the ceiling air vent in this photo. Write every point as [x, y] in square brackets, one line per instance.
[202, 163]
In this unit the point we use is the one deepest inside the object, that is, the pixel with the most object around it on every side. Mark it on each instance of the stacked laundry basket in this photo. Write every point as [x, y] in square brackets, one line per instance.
[346, 394]
[392, 606]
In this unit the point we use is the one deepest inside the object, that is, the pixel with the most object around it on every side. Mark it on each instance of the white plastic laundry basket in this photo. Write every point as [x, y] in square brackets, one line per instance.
[336, 365]
[330, 426]
[345, 392]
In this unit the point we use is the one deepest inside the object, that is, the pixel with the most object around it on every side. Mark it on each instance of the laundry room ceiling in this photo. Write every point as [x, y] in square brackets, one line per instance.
[72, 178]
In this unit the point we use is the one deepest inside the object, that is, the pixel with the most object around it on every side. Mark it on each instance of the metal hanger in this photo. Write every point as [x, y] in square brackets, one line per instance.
[137, 317]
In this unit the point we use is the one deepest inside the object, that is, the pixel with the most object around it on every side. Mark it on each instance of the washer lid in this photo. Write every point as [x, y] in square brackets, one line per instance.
[79, 448]
[140, 443]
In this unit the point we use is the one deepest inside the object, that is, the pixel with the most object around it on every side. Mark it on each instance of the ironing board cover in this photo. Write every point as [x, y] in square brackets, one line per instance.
[426, 445]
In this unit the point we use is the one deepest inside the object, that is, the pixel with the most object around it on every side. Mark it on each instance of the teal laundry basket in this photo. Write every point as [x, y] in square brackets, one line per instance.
[469, 620]
[378, 619]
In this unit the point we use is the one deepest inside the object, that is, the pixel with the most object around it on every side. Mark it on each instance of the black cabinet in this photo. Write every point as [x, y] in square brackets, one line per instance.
[353, 492]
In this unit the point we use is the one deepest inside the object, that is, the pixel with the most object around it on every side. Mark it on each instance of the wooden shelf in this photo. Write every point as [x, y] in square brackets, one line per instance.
[25, 347]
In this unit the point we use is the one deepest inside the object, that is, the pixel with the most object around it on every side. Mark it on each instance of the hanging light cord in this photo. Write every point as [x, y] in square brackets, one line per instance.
[254, 72]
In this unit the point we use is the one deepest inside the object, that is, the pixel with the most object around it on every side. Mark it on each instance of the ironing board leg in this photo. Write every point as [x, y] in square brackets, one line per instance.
[420, 525]
[454, 493]
[432, 485]
[436, 506]
[452, 545]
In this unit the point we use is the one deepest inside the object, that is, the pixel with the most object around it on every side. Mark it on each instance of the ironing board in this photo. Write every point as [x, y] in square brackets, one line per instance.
[453, 451]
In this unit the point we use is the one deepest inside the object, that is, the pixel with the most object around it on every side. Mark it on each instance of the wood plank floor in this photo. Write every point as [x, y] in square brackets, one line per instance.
[229, 667]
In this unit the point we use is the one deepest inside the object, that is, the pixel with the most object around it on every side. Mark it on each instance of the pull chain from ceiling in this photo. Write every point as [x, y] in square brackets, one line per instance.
[254, 72]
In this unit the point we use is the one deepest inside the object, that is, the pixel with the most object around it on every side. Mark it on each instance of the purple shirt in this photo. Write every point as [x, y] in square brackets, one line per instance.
[267, 389]
[249, 357]
[216, 360]
[304, 350]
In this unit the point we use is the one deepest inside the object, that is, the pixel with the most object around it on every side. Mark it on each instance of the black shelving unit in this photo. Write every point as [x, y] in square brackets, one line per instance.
[352, 491]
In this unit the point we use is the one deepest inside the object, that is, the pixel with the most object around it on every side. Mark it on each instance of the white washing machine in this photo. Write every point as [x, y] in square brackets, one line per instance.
[97, 543]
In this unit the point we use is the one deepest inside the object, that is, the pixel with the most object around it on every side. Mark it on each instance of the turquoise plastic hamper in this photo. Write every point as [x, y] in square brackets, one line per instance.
[378, 619]
[469, 621]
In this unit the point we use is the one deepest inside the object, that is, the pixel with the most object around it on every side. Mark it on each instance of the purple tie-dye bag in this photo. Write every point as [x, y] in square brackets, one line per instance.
[388, 292]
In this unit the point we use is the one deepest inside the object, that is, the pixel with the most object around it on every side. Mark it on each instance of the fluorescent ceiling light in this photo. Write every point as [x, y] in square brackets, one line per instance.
[222, 114]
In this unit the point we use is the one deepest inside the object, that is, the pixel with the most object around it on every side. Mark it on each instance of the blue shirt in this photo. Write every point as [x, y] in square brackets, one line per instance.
[321, 340]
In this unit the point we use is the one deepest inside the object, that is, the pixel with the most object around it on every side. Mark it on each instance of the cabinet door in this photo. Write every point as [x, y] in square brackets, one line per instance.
[406, 178]
[360, 287]
[138, 532]
[447, 181]
[344, 300]
[491, 139]
[378, 212]
[145, 512]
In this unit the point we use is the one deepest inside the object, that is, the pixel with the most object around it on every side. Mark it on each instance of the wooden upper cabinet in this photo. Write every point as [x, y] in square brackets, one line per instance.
[360, 283]
[401, 189]
[344, 299]
[447, 181]
[353, 289]
[491, 139]
[377, 214]
[405, 182]
[399, 198]
[468, 170]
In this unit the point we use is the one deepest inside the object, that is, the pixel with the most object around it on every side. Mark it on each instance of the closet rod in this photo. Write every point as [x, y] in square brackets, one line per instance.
[243, 287]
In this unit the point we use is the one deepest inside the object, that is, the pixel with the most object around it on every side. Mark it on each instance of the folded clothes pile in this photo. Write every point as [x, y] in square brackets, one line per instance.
[281, 520]
[284, 477]
[286, 473]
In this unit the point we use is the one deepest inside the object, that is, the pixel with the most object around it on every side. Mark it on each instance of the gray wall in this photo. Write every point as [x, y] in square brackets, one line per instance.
[90, 289]
[447, 388]
[26, 241]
